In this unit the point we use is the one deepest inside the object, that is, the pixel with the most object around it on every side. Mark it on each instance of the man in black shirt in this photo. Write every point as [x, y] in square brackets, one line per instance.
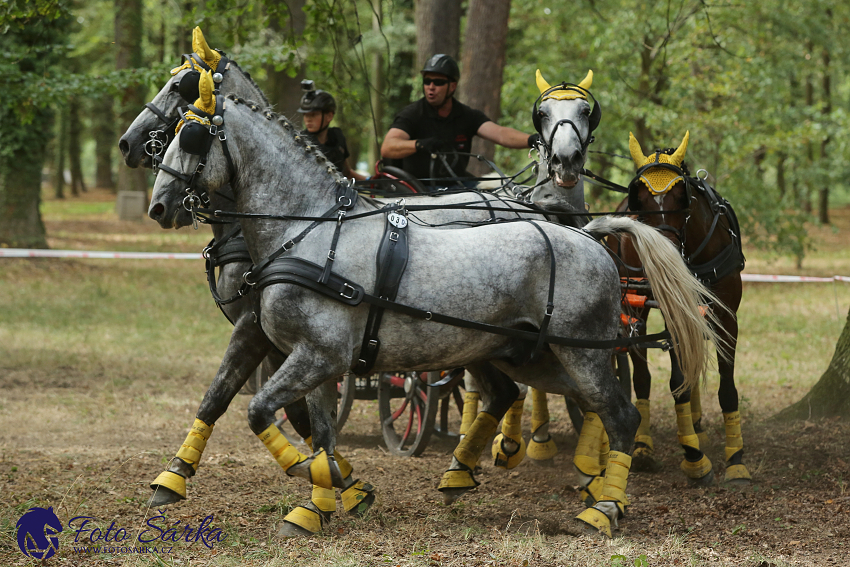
[318, 108]
[439, 123]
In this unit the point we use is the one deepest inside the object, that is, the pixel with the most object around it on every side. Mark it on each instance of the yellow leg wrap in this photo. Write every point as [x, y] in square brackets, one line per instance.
[616, 478]
[305, 518]
[357, 494]
[596, 519]
[511, 429]
[539, 409]
[734, 441]
[457, 479]
[696, 417]
[604, 450]
[283, 452]
[472, 445]
[698, 469]
[320, 470]
[591, 493]
[324, 499]
[470, 410]
[172, 481]
[195, 443]
[586, 458]
[687, 436]
[345, 467]
[644, 432]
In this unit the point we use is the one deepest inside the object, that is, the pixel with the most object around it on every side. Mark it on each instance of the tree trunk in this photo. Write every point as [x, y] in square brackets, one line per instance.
[831, 395]
[284, 92]
[59, 152]
[20, 183]
[438, 28]
[377, 90]
[806, 203]
[128, 55]
[483, 66]
[103, 130]
[78, 184]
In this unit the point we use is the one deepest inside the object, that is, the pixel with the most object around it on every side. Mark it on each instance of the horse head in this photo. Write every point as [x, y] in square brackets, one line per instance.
[565, 121]
[195, 166]
[660, 185]
[153, 129]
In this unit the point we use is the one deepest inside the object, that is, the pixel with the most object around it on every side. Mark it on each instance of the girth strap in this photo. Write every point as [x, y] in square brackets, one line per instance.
[391, 262]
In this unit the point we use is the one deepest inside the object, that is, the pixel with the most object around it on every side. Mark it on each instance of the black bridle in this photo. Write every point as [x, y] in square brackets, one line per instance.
[187, 88]
[593, 119]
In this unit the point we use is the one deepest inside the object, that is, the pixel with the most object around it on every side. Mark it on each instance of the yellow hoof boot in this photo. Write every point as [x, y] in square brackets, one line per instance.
[503, 460]
[737, 474]
[303, 521]
[170, 481]
[596, 520]
[699, 472]
[358, 498]
[544, 451]
[456, 483]
[591, 493]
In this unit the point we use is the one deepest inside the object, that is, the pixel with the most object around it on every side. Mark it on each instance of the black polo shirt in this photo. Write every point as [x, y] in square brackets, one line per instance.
[335, 148]
[420, 120]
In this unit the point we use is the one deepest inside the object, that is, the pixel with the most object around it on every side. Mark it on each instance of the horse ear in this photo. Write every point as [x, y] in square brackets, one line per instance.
[679, 155]
[587, 82]
[206, 102]
[201, 47]
[541, 82]
[636, 151]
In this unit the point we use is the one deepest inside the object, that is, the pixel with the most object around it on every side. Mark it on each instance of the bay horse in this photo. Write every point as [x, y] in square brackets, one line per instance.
[705, 229]
[506, 289]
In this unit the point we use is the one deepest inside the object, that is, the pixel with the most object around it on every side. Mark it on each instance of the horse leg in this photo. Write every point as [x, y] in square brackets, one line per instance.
[696, 416]
[301, 373]
[509, 446]
[696, 466]
[603, 396]
[541, 447]
[736, 470]
[643, 458]
[470, 403]
[500, 392]
[246, 350]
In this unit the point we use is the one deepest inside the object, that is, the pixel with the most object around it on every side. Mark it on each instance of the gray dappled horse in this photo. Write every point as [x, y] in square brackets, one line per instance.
[248, 342]
[272, 170]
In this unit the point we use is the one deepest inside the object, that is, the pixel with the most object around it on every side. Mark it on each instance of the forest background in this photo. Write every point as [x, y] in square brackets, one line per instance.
[762, 87]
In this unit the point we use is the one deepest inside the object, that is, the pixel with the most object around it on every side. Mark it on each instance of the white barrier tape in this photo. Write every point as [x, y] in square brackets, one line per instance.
[790, 279]
[36, 253]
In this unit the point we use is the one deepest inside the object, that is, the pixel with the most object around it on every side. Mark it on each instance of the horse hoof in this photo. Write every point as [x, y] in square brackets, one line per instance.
[292, 530]
[451, 495]
[644, 462]
[358, 498]
[542, 453]
[593, 522]
[163, 496]
[706, 480]
[303, 521]
[737, 475]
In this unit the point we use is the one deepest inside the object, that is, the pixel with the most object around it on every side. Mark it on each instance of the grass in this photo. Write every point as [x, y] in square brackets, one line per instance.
[106, 345]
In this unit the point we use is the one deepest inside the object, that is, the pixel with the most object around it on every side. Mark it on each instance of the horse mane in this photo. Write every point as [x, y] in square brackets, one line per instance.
[290, 129]
[247, 75]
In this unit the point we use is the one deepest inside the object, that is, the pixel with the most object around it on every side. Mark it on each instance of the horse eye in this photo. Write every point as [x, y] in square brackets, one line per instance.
[585, 111]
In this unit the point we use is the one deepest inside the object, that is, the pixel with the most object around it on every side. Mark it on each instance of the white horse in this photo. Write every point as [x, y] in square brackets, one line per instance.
[506, 288]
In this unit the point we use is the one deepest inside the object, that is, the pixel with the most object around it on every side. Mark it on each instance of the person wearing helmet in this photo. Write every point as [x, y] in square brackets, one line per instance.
[438, 123]
[317, 109]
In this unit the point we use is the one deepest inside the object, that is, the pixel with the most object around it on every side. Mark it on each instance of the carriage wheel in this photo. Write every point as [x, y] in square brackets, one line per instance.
[407, 408]
[345, 387]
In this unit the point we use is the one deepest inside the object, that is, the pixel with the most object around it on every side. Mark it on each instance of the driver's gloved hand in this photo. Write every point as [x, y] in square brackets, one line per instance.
[429, 145]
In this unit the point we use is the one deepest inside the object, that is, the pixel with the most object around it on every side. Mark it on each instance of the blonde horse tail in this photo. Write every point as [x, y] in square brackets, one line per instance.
[678, 293]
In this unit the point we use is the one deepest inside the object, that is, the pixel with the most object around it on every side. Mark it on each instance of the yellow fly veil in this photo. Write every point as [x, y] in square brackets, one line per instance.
[658, 180]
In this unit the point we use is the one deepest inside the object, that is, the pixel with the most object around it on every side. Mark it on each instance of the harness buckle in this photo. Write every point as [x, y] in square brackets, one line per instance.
[222, 135]
[348, 199]
[213, 129]
[245, 278]
[331, 255]
[373, 343]
[549, 309]
[288, 245]
[394, 236]
[339, 218]
[353, 291]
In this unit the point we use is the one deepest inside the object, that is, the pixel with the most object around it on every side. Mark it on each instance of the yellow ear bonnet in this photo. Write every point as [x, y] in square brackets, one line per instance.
[658, 180]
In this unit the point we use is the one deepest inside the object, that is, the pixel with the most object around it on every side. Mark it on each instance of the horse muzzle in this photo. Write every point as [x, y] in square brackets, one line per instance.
[175, 218]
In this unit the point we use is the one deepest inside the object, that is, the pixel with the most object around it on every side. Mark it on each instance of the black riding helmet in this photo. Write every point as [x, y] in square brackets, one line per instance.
[443, 64]
[317, 101]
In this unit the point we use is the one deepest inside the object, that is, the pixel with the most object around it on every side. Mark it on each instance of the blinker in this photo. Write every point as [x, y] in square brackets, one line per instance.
[195, 138]
[188, 86]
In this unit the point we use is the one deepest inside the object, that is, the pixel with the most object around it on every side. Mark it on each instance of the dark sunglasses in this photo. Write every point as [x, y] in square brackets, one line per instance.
[439, 82]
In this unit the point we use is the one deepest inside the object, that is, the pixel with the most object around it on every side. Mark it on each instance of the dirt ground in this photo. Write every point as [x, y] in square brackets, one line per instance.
[89, 444]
